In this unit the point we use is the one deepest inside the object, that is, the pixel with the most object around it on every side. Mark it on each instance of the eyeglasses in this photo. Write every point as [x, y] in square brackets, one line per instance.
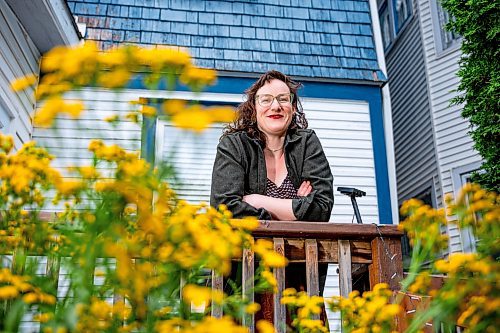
[266, 99]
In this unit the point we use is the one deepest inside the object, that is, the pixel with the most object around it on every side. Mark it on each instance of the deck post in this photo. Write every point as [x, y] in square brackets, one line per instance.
[387, 263]
[279, 274]
[248, 286]
[345, 267]
[217, 285]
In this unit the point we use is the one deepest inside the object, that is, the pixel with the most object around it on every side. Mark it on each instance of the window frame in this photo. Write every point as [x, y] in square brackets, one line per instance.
[439, 30]
[388, 8]
[460, 176]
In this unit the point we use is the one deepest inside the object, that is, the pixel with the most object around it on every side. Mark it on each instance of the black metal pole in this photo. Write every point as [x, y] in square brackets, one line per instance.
[356, 209]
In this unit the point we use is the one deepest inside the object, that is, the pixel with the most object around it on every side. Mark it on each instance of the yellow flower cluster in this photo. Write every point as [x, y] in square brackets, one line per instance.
[207, 325]
[423, 225]
[55, 105]
[69, 68]
[269, 259]
[24, 82]
[480, 210]
[14, 286]
[472, 289]
[99, 316]
[303, 308]
[482, 314]
[471, 279]
[24, 175]
[196, 117]
[201, 296]
[371, 312]
[202, 235]
[197, 78]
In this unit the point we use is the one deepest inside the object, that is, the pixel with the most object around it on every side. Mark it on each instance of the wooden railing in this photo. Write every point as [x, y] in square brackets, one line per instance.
[377, 246]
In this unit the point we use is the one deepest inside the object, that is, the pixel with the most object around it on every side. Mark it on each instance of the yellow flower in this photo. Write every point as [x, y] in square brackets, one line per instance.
[115, 78]
[112, 119]
[252, 308]
[269, 277]
[197, 295]
[23, 82]
[289, 292]
[148, 111]
[43, 317]
[222, 114]
[263, 326]
[173, 106]
[273, 259]
[6, 143]
[52, 107]
[197, 77]
[193, 118]
[30, 298]
[70, 187]
[8, 292]
[246, 223]
[88, 172]
[113, 57]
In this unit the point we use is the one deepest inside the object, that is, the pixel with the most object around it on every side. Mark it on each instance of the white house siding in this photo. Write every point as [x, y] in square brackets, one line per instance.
[454, 146]
[18, 57]
[344, 131]
[342, 126]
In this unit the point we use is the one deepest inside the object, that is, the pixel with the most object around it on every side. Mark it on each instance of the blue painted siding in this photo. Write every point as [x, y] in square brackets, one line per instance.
[303, 33]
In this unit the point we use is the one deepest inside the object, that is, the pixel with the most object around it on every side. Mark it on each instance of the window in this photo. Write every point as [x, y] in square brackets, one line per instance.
[385, 27]
[403, 12]
[186, 157]
[461, 176]
[393, 15]
[444, 39]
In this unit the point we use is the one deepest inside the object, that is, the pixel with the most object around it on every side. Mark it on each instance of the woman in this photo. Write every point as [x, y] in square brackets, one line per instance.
[268, 164]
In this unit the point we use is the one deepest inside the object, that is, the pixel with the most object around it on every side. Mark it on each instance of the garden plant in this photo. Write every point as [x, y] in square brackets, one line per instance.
[122, 224]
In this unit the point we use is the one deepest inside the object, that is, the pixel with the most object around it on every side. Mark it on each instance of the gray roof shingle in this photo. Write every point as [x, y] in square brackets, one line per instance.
[329, 39]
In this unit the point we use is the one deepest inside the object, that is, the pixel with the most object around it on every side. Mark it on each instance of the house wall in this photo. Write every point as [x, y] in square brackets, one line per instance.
[416, 167]
[454, 146]
[343, 126]
[18, 57]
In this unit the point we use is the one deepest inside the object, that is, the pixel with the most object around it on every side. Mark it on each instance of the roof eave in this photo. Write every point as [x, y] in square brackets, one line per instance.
[48, 22]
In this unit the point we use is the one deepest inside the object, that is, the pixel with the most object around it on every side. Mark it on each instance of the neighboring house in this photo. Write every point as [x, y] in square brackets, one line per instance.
[23, 39]
[434, 153]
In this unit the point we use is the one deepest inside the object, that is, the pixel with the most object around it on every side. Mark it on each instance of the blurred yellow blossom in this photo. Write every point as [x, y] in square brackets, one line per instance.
[197, 77]
[263, 326]
[24, 82]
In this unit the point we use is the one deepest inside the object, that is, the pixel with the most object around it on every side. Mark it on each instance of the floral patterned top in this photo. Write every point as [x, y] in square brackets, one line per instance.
[285, 191]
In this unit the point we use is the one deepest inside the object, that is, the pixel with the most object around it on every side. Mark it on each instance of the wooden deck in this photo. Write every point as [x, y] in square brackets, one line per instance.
[377, 246]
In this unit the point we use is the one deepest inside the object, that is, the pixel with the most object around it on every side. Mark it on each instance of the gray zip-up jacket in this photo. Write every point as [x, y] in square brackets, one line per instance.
[240, 169]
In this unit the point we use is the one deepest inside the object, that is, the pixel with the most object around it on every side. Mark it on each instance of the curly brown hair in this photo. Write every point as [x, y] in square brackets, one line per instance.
[246, 120]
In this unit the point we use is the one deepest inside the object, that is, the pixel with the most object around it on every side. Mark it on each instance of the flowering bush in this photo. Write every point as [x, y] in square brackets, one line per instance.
[127, 228]
[469, 296]
[152, 251]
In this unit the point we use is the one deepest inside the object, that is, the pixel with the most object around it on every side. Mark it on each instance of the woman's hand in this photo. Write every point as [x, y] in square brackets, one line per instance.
[304, 189]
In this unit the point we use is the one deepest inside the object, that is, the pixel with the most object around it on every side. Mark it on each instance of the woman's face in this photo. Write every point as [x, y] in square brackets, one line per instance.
[274, 119]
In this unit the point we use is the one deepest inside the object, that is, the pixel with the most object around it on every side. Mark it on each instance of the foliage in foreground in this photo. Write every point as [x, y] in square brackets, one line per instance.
[122, 225]
[477, 22]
